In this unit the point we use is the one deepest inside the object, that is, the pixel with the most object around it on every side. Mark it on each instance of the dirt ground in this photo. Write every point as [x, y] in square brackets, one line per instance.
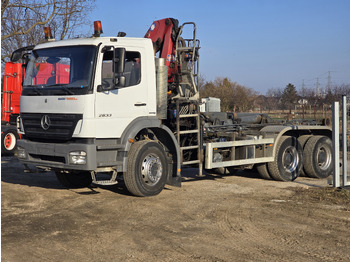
[214, 218]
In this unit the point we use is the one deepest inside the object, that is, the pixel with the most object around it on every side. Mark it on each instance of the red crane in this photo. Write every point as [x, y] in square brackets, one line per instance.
[163, 34]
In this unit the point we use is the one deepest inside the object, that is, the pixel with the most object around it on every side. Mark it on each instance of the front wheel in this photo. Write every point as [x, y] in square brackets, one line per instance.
[288, 159]
[9, 141]
[147, 169]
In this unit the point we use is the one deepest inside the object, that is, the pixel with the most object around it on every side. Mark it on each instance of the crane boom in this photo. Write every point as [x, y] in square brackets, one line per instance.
[163, 34]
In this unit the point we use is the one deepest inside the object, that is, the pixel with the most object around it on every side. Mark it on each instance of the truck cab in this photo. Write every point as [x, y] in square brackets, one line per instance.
[101, 93]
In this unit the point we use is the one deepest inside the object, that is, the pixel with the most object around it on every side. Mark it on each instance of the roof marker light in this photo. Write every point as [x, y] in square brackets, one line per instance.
[48, 34]
[97, 28]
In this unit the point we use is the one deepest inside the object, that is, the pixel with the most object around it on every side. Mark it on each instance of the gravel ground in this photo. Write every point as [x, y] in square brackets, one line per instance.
[212, 218]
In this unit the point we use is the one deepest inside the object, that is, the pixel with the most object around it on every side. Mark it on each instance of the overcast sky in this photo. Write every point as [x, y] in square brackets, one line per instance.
[260, 44]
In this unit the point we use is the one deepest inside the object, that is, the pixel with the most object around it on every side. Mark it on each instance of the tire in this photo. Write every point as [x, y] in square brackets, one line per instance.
[74, 179]
[302, 140]
[224, 170]
[318, 157]
[262, 170]
[288, 160]
[9, 141]
[147, 169]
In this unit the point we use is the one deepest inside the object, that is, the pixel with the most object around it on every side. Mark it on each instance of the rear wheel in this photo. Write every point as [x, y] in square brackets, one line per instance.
[302, 140]
[288, 160]
[318, 157]
[262, 170]
[74, 179]
[9, 141]
[147, 169]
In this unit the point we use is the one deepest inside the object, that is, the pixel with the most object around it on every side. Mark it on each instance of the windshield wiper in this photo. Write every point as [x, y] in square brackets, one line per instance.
[70, 92]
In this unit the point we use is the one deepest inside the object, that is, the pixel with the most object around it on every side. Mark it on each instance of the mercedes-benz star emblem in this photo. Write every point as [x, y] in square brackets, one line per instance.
[45, 122]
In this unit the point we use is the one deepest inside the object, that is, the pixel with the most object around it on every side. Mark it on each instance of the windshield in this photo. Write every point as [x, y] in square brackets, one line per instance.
[59, 71]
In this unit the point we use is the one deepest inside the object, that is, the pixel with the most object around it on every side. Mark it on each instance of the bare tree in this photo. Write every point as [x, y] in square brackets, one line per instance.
[22, 21]
[261, 102]
[273, 101]
[314, 99]
[231, 94]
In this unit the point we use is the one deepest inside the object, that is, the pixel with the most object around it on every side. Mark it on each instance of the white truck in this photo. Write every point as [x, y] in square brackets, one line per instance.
[129, 110]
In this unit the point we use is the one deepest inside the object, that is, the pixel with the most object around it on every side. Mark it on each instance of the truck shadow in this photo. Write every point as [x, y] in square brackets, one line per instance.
[14, 172]
[191, 175]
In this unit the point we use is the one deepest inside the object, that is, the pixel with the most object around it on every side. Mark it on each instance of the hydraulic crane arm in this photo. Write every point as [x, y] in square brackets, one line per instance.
[163, 34]
[181, 55]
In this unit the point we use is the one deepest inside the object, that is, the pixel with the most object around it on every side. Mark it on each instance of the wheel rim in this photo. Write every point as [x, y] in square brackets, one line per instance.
[9, 141]
[151, 169]
[290, 159]
[324, 158]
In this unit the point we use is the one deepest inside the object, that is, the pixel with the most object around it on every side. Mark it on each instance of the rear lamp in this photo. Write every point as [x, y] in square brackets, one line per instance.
[77, 157]
[97, 28]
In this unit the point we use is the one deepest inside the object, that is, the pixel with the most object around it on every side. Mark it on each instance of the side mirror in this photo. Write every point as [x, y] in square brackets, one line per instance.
[16, 56]
[118, 66]
[20, 53]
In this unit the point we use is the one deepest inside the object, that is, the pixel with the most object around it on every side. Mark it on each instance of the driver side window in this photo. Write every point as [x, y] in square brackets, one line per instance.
[132, 69]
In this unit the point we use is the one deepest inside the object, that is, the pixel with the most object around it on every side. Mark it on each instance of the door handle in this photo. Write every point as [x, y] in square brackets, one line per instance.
[140, 104]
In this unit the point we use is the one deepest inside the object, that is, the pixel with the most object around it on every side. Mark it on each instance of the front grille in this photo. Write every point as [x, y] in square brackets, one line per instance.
[61, 125]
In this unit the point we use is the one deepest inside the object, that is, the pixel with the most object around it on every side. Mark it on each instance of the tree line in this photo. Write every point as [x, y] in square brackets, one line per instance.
[305, 98]
[238, 98]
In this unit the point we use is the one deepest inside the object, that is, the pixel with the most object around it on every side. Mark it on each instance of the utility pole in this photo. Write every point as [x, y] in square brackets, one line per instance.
[317, 87]
[303, 98]
[317, 96]
[329, 82]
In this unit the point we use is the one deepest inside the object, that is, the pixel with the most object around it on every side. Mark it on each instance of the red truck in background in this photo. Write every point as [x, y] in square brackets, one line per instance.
[12, 89]
[48, 74]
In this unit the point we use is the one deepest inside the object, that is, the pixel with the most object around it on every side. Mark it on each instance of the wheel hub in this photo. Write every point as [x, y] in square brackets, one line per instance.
[151, 169]
[290, 159]
[9, 141]
[324, 158]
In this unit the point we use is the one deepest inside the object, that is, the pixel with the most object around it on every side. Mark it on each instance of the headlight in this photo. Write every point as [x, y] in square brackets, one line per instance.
[77, 157]
[20, 128]
[21, 153]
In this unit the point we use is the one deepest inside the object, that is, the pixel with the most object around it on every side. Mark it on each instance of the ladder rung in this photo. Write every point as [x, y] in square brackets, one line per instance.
[185, 49]
[191, 162]
[189, 115]
[189, 132]
[189, 147]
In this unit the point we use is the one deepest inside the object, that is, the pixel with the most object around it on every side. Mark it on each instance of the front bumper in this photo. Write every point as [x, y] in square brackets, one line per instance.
[56, 155]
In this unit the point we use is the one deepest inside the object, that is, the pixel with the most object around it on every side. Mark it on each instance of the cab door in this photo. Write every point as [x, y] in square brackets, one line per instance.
[116, 108]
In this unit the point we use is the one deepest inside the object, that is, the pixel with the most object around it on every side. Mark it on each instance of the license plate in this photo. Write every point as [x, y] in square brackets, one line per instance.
[45, 149]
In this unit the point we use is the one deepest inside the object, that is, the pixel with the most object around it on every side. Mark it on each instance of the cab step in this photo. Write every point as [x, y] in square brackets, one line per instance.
[112, 181]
